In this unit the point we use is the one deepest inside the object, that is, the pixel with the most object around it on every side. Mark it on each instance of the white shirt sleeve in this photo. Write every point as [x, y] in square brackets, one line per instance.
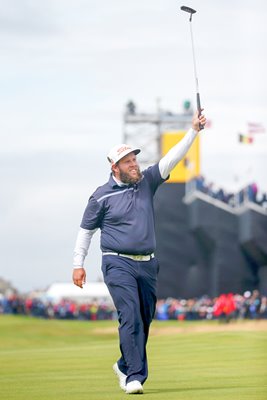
[176, 153]
[82, 245]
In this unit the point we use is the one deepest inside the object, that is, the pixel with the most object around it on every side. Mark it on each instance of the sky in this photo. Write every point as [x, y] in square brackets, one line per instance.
[68, 67]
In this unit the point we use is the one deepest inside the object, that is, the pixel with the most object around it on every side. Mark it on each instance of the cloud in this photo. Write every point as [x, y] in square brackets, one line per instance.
[27, 18]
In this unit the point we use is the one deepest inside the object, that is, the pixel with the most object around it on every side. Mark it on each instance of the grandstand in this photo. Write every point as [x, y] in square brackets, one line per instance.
[208, 247]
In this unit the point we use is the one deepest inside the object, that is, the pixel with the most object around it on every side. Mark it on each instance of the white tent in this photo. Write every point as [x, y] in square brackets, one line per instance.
[90, 291]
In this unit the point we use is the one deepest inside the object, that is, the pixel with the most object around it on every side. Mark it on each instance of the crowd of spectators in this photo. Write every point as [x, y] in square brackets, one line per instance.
[64, 309]
[249, 193]
[229, 306]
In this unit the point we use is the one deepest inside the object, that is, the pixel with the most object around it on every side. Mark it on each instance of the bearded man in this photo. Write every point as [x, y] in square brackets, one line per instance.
[123, 210]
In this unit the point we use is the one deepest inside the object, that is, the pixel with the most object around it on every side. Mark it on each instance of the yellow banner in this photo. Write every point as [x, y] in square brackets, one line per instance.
[189, 166]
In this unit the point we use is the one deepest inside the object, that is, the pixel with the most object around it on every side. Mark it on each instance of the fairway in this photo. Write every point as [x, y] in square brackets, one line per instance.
[51, 359]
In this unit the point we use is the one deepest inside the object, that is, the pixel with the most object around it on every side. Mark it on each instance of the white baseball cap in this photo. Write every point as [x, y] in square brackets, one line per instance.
[119, 151]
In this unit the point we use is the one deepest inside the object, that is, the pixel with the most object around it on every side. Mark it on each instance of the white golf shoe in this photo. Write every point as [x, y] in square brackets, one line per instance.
[122, 377]
[134, 387]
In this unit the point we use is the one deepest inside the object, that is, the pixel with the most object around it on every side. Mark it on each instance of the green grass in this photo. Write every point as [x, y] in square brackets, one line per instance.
[42, 359]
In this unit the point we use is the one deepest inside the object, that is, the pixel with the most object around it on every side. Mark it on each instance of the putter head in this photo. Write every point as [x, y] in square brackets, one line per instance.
[188, 9]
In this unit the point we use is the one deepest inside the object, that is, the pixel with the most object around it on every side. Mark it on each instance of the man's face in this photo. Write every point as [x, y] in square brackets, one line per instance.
[127, 169]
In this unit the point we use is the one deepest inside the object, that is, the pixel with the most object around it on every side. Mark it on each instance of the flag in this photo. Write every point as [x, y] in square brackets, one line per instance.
[254, 127]
[245, 139]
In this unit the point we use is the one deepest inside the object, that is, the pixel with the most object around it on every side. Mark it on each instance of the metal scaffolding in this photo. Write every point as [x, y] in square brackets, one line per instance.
[144, 130]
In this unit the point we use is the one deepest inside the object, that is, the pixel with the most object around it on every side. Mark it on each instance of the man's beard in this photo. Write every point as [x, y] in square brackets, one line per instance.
[127, 178]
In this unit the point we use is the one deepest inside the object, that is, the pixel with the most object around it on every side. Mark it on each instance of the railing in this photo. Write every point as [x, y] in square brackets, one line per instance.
[248, 194]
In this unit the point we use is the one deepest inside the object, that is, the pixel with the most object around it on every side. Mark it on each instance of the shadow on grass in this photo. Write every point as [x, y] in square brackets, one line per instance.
[191, 389]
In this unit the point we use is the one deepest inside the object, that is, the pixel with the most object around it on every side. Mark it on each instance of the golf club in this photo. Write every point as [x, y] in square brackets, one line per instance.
[191, 11]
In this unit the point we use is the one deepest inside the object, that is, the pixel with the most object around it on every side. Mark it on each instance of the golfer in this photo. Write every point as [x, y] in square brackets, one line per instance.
[123, 210]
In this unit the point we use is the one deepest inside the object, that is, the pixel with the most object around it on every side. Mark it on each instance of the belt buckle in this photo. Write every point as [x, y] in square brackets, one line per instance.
[145, 258]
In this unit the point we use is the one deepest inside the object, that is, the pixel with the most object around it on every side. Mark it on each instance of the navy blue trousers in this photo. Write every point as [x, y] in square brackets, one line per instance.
[132, 285]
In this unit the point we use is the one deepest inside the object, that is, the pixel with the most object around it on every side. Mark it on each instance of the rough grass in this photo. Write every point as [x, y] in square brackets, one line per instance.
[42, 359]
